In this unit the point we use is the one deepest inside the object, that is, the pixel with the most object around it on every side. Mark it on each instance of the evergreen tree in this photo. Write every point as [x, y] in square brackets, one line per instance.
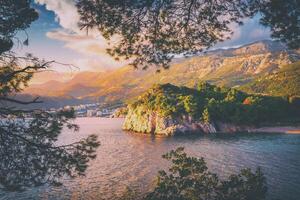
[29, 155]
[153, 31]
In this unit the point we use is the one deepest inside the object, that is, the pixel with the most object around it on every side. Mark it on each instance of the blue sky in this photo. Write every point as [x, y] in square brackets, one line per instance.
[41, 45]
[56, 36]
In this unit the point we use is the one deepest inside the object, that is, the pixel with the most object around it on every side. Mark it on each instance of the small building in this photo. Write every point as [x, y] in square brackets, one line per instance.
[91, 113]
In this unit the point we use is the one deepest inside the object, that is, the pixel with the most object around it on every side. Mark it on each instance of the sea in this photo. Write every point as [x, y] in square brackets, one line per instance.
[130, 160]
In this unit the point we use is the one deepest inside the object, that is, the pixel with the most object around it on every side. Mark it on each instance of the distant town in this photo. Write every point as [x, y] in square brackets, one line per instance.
[91, 110]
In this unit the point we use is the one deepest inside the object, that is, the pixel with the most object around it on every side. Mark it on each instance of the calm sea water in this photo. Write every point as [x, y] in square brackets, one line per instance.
[126, 159]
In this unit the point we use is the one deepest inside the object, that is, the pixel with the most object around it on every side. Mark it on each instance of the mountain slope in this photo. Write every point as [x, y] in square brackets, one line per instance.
[230, 67]
[286, 82]
[76, 87]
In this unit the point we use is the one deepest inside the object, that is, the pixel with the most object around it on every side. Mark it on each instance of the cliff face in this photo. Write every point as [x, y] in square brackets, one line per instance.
[168, 109]
[142, 121]
[119, 113]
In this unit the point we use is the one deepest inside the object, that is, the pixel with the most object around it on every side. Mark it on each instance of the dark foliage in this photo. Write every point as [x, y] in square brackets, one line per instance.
[283, 17]
[15, 15]
[151, 32]
[189, 179]
[29, 153]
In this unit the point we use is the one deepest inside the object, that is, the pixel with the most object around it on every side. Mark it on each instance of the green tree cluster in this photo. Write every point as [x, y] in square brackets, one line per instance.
[210, 103]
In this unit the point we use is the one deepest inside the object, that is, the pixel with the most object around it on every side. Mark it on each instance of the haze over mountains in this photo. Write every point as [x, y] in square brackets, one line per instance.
[229, 67]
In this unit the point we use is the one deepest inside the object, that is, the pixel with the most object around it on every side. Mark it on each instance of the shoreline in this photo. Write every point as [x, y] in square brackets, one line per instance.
[295, 130]
[277, 129]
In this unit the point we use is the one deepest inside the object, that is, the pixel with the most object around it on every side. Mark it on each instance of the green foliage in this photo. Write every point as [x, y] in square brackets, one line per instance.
[170, 100]
[29, 155]
[188, 178]
[206, 116]
[210, 103]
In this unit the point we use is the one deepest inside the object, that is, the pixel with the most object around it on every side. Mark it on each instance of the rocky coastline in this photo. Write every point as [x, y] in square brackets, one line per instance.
[152, 123]
[169, 110]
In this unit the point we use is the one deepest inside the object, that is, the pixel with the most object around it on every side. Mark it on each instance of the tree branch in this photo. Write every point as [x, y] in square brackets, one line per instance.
[20, 102]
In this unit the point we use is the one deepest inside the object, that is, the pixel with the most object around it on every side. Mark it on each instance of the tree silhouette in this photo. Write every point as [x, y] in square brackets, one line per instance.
[29, 154]
[151, 32]
[14, 16]
[188, 178]
[283, 17]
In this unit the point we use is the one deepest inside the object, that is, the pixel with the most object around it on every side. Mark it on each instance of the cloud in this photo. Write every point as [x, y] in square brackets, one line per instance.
[85, 44]
[97, 63]
[65, 36]
[236, 31]
[250, 31]
[92, 49]
[65, 11]
[91, 46]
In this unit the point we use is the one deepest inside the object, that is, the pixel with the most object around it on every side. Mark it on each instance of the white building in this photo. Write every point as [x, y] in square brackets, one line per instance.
[91, 113]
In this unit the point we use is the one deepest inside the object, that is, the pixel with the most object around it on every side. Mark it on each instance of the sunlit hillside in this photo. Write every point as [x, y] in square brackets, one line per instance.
[230, 67]
[286, 82]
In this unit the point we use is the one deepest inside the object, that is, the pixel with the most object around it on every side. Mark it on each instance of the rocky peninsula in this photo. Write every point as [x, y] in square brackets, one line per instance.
[168, 110]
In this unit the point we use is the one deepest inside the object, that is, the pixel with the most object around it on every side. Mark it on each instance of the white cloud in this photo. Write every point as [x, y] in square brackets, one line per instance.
[97, 63]
[92, 49]
[66, 36]
[65, 11]
[92, 46]
[85, 44]
[249, 32]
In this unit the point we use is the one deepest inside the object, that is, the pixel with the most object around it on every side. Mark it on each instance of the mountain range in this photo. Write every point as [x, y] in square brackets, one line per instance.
[234, 67]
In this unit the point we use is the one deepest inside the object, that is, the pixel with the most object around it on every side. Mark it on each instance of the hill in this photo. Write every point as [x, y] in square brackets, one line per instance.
[285, 82]
[225, 67]
[77, 87]
[168, 109]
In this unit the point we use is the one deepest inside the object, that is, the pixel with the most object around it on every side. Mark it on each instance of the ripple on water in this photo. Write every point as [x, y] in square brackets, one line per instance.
[133, 160]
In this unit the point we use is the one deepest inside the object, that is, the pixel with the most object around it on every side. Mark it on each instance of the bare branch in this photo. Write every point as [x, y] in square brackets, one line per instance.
[19, 101]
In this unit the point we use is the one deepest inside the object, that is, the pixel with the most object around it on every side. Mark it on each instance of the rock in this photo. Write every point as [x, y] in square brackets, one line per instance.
[144, 121]
[231, 128]
[119, 113]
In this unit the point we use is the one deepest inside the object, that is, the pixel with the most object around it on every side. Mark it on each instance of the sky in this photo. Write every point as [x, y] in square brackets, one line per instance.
[56, 36]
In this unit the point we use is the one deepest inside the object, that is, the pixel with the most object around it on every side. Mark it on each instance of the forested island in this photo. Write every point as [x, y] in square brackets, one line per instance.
[168, 109]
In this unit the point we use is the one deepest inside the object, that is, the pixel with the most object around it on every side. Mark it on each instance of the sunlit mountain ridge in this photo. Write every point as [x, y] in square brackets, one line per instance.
[227, 67]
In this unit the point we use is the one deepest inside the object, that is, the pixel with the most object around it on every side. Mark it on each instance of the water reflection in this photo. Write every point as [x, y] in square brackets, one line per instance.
[128, 159]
